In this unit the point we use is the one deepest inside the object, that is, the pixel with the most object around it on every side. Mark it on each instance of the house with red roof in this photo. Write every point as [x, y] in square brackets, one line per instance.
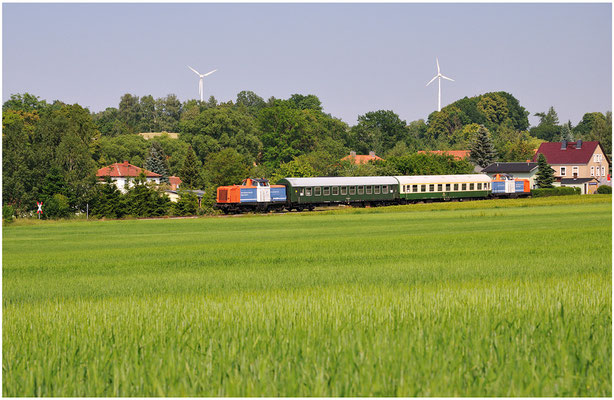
[123, 174]
[457, 154]
[361, 159]
[577, 160]
[174, 181]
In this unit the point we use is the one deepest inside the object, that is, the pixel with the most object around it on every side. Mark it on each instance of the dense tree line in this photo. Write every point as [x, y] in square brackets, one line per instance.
[51, 151]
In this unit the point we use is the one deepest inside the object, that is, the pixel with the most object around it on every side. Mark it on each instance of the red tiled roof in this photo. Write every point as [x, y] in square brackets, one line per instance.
[361, 159]
[572, 155]
[174, 181]
[124, 169]
[457, 154]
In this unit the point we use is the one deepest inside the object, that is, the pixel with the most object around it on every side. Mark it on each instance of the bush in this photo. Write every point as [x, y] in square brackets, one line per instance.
[186, 205]
[555, 191]
[604, 189]
[57, 207]
[7, 213]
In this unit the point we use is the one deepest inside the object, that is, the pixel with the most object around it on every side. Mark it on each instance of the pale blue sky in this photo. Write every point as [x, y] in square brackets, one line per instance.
[356, 57]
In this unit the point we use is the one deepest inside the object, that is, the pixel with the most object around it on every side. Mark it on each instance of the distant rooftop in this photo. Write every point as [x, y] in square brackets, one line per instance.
[457, 154]
[510, 167]
[149, 135]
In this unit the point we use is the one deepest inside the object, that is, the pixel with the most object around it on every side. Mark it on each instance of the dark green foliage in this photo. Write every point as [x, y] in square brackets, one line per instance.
[429, 164]
[156, 161]
[57, 207]
[8, 212]
[108, 201]
[190, 172]
[378, 131]
[186, 205]
[596, 126]
[483, 152]
[604, 189]
[548, 128]
[555, 191]
[309, 102]
[227, 167]
[545, 174]
[142, 200]
[251, 101]
[26, 103]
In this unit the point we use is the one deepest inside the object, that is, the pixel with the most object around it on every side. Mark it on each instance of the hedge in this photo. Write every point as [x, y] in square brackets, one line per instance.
[555, 191]
[604, 189]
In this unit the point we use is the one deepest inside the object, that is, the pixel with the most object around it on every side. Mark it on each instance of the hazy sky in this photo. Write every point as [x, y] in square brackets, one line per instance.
[355, 57]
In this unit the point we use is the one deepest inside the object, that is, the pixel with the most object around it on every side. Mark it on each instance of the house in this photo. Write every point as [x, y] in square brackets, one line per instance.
[521, 170]
[457, 154]
[361, 159]
[175, 195]
[123, 174]
[586, 185]
[174, 181]
[576, 160]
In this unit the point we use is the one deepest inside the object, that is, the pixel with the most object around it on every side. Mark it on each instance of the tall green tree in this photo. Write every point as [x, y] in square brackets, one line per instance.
[156, 161]
[190, 174]
[545, 173]
[483, 151]
[129, 112]
[227, 167]
[378, 131]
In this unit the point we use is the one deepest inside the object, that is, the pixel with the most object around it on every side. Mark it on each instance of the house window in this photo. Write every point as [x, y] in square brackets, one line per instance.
[352, 189]
[592, 171]
[335, 190]
[361, 190]
[563, 171]
[376, 190]
[414, 188]
[574, 172]
[326, 191]
[369, 189]
[308, 191]
[317, 191]
[597, 157]
[344, 190]
[602, 171]
[597, 171]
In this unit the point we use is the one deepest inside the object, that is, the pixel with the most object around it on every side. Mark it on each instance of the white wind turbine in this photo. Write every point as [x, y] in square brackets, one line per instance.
[200, 83]
[439, 75]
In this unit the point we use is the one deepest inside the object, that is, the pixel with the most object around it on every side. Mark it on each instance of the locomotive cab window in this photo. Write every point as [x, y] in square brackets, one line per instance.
[317, 191]
[335, 190]
[352, 189]
[326, 191]
[377, 190]
[369, 189]
[344, 190]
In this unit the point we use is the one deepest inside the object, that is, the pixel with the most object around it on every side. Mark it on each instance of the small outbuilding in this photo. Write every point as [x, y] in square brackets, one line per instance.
[586, 185]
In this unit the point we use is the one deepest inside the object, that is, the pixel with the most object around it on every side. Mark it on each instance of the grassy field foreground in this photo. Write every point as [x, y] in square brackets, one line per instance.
[489, 298]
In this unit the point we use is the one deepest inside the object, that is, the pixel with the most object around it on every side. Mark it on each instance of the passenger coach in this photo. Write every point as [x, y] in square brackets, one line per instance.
[443, 187]
[360, 190]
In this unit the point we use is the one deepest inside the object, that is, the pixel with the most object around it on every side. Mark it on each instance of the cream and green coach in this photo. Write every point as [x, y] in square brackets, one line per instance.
[443, 187]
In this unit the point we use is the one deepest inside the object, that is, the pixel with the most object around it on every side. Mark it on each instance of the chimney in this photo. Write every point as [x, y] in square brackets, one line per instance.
[579, 144]
[371, 154]
[125, 163]
[352, 154]
[564, 145]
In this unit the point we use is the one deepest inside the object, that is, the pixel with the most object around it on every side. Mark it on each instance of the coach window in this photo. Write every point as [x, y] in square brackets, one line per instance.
[439, 187]
[423, 188]
[352, 189]
[344, 190]
[431, 188]
[369, 189]
[471, 186]
[464, 186]
[447, 187]
[302, 192]
[361, 190]
[415, 188]
[308, 191]
[384, 189]
[376, 190]
[317, 191]
[456, 187]
[335, 190]
[479, 186]
[327, 191]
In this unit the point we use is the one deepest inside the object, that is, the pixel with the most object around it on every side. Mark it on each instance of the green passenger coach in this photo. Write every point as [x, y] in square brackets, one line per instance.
[366, 190]
[443, 187]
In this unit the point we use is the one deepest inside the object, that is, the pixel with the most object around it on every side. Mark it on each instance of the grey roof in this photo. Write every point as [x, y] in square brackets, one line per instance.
[571, 181]
[510, 167]
[342, 181]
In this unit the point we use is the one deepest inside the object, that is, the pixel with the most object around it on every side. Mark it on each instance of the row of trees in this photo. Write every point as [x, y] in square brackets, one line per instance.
[55, 149]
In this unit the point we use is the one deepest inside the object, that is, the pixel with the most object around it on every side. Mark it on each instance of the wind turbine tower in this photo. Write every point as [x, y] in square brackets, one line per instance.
[438, 77]
[200, 82]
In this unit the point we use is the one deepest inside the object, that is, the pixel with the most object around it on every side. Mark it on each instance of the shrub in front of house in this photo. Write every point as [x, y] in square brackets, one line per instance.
[555, 191]
[604, 189]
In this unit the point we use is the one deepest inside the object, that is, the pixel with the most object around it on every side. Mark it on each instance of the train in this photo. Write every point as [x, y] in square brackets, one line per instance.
[258, 195]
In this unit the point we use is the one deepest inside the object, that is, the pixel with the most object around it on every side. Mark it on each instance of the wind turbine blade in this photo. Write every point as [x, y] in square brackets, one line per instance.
[210, 72]
[195, 71]
[445, 77]
[432, 80]
[437, 59]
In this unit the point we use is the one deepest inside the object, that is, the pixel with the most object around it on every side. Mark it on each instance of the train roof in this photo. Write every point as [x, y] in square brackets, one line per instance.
[341, 181]
[408, 180]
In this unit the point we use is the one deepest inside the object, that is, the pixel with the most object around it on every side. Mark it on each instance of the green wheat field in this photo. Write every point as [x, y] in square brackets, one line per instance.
[485, 298]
